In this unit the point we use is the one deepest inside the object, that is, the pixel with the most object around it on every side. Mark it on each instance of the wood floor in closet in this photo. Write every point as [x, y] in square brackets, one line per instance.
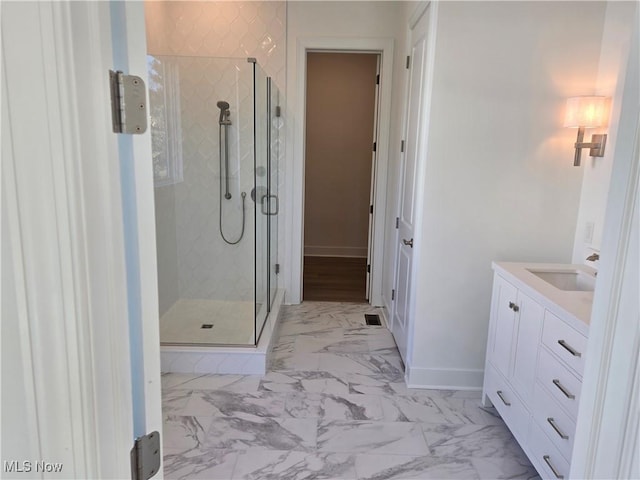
[334, 279]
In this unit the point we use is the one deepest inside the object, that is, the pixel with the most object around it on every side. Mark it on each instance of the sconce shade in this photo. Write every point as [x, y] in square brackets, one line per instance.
[589, 112]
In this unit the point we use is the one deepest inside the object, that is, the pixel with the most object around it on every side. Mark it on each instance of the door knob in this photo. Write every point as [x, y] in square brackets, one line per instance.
[408, 242]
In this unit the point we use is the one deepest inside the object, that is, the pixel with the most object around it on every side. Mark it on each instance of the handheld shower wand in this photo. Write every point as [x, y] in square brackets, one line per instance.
[224, 113]
[224, 122]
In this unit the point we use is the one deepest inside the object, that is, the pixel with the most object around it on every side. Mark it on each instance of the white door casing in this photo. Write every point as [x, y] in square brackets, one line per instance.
[61, 190]
[293, 208]
[372, 189]
[413, 155]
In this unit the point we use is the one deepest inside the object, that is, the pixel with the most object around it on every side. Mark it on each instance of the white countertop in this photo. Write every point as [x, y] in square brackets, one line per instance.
[575, 304]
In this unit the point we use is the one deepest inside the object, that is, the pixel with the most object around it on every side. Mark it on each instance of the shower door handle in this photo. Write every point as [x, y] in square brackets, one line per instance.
[266, 205]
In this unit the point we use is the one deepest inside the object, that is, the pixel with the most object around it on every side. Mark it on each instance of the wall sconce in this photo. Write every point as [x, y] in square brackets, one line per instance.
[587, 112]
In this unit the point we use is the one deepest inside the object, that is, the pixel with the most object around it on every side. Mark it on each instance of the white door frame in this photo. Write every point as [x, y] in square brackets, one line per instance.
[608, 424]
[294, 167]
[61, 180]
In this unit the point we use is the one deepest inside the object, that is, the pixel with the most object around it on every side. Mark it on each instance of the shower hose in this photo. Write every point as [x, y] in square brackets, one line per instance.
[226, 172]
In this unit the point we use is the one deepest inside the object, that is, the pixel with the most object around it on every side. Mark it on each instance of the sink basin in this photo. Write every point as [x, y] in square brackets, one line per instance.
[567, 280]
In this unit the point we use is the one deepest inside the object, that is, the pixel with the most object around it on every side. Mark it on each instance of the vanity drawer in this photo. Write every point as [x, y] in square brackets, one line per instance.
[553, 421]
[563, 385]
[546, 457]
[508, 404]
[565, 342]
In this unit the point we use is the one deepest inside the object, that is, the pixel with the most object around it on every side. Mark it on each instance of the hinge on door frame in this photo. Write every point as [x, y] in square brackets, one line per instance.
[375, 146]
[397, 222]
[369, 268]
[408, 62]
[277, 268]
[278, 111]
[371, 209]
[393, 294]
[378, 79]
[128, 103]
[145, 456]
[401, 146]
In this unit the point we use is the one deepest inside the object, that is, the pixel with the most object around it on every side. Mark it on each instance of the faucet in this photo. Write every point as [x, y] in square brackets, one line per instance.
[593, 257]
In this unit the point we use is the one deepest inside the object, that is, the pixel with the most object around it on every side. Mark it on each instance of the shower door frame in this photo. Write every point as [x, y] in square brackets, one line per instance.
[294, 188]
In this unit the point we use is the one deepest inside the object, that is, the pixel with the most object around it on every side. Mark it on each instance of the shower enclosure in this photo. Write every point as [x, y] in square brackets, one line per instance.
[215, 131]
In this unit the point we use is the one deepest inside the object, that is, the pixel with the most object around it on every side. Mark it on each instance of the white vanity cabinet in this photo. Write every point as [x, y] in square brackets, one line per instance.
[535, 357]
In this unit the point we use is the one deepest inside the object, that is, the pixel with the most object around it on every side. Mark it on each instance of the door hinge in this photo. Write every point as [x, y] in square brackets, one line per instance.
[278, 111]
[378, 79]
[277, 268]
[128, 103]
[145, 456]
[408, 61]
[402, 146]
[397, 222]
[370, 208]
[368, 268]
[393, 294]
[375, 146]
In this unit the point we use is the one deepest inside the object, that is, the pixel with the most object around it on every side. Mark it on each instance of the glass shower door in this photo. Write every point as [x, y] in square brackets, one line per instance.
[260, 195]
[275, 124]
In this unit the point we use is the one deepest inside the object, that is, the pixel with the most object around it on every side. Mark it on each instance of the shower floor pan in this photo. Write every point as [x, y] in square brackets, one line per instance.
[183, 323]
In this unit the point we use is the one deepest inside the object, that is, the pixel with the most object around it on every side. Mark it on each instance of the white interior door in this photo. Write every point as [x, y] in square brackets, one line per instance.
[76, 294]
[407, 208]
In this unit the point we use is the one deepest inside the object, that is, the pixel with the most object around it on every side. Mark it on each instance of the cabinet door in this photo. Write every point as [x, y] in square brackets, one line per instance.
[527, 337]
[504, 319]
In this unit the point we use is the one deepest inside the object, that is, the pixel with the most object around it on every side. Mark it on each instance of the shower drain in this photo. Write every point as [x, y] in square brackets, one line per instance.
[207, 325]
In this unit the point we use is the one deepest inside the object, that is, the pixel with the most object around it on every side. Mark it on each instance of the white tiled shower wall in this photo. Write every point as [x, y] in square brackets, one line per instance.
[194, 262]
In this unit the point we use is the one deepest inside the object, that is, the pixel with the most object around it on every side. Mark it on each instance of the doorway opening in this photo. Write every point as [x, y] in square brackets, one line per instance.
[341, 129]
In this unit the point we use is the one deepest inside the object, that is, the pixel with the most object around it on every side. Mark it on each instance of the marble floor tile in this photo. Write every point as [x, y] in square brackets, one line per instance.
[174, 401]
[294, 361]
[366, 364]
[195, 381]
[466, 410]
[340, 436]
[333, 405]
[515, 467]
[182, 433]
[398, 408]
[303, 405]
[309, 382]
[290, 465]
[221, 403]
[262, 433]
[402, 467]
[470, 441]
[351, 407]
[200, 463]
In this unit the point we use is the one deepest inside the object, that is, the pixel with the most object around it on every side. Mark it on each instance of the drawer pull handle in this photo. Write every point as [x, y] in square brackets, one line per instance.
[514, 307]
[569, 348]
[552, 422]
[547, 460]
[499, 392]
[563, 389]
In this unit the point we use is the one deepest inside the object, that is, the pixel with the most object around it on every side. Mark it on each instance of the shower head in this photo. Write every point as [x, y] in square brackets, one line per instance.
[224, 112]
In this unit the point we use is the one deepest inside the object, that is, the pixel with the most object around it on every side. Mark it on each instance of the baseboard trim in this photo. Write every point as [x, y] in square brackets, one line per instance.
[444, 378]
[318, 251]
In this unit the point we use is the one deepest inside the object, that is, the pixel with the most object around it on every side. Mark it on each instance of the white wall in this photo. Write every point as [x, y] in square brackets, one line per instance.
[313, 19]
[499, 182]
[597, 171]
